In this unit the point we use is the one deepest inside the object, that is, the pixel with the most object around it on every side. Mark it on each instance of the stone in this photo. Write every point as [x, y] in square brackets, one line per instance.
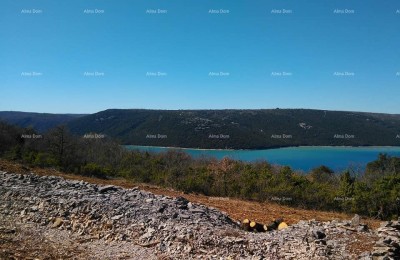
[318, 234]
[117, 217]
[57, 222]
[182, 200]
[41, 205]
[380, 251]
[196, 210]
[331, 243]
[149, 234]
[103, 189]
[362, 228]
[385, 224]
[184, 216]
[355, 221]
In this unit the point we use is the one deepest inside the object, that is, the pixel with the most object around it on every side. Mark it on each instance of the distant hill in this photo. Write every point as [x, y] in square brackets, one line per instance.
[41, 122]
[242, 129]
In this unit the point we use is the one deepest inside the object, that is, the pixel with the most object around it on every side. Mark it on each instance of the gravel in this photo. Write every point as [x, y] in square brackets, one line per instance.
[115, 223]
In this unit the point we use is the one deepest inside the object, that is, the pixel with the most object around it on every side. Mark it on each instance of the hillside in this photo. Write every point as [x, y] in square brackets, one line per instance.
[41, 122]
[242, 129]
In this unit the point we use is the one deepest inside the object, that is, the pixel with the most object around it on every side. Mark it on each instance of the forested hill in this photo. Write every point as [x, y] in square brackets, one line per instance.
[41, 122]
[242, 129]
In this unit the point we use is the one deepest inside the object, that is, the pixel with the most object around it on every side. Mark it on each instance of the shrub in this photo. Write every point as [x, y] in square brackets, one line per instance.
[92, 169]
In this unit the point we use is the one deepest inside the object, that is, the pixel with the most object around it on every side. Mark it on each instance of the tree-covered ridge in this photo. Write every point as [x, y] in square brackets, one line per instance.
[242, 129]
[41, 122]
[374, 193]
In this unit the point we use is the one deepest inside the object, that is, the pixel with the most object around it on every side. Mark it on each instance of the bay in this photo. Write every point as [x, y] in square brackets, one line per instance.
[298, 158]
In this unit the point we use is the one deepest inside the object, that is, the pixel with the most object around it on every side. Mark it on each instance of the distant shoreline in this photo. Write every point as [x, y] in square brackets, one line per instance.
[272, 148]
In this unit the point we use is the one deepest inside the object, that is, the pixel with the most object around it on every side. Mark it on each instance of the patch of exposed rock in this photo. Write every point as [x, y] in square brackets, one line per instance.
[388, 246]
[166, 227]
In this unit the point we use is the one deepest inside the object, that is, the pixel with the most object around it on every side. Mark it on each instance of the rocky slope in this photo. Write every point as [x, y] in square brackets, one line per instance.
[109, 222]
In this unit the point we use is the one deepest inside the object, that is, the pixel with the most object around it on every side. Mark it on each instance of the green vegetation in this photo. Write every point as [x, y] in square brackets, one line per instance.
[247, 129]
[41, 122]
[373, 193]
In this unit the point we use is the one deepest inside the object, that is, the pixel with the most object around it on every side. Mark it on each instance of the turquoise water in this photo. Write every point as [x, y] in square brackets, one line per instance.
[299, 158]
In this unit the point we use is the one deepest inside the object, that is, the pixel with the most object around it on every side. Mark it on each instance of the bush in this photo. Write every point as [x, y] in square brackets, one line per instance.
[92, 169]
[44, 160]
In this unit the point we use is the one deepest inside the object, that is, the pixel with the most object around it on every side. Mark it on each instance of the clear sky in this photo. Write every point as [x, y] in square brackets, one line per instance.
[307, 56]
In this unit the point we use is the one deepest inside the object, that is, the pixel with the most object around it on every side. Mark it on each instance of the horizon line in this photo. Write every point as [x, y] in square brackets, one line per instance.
[200, 109]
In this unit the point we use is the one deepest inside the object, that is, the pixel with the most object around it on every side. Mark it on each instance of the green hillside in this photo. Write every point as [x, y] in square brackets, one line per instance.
[41, 122]
[242, 129]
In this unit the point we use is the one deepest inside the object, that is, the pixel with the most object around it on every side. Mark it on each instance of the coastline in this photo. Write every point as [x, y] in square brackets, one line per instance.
[263, 149]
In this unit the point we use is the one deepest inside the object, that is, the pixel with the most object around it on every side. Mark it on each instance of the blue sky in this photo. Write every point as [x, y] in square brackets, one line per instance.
[188, 43]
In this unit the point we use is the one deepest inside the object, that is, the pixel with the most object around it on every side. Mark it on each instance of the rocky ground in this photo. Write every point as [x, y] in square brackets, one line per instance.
[48, 217]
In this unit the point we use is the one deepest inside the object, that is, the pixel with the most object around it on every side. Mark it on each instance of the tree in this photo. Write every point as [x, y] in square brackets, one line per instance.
[10, 140]
[60, 142]
[322, 174]
[384, 166]
[222, 168]
[346, 190]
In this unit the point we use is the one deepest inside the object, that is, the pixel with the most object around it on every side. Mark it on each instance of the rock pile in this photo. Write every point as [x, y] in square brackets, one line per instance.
[171, 227]
[388, 245]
